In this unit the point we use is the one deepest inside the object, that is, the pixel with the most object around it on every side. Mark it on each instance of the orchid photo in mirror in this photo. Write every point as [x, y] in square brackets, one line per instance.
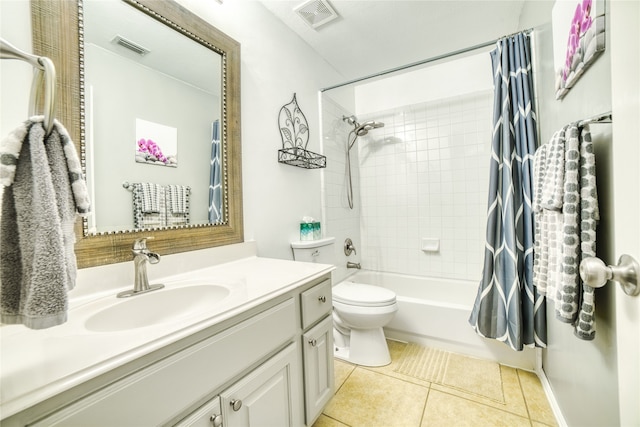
[578, 40]
[156, 144]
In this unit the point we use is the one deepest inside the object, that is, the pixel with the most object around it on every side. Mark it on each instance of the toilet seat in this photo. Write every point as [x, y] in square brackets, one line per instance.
[362, 295]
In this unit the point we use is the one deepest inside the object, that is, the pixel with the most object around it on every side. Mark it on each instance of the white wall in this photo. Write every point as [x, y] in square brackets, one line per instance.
[437, 80]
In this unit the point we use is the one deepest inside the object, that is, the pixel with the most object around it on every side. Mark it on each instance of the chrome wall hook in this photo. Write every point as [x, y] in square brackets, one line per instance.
[595, 273]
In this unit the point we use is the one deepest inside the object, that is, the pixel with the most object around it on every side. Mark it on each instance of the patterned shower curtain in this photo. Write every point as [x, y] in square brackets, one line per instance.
[508, 306]
[215, 188]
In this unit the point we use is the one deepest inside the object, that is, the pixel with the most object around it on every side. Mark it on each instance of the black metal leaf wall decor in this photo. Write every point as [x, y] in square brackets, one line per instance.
[294, 131]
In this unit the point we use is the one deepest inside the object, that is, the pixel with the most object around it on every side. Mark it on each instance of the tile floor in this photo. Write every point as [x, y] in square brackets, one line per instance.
[372, 397]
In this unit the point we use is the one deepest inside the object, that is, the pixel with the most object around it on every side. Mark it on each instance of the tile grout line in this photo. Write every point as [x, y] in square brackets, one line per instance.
[524, 397]
[424, 408]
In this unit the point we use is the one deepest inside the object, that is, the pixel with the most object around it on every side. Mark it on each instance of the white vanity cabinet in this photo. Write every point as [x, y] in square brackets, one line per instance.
[317, 349]
[270, 365]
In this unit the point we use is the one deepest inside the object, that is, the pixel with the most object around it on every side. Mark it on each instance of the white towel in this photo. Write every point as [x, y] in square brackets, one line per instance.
[179, 197]
[44, 190]
[151, 196]
[547, 266]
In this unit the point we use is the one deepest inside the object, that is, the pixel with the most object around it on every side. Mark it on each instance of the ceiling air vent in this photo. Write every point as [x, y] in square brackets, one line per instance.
[316, 12]
[134, 47]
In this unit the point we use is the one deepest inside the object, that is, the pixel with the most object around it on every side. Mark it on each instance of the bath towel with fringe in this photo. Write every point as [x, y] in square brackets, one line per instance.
[43, 191]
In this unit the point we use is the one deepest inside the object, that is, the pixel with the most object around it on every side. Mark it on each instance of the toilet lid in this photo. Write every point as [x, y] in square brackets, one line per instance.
[363, 295]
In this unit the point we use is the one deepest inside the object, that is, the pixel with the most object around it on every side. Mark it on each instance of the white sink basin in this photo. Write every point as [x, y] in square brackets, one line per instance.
[157, 307]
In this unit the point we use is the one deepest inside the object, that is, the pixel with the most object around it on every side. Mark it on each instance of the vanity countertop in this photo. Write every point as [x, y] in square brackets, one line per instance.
[38, 364]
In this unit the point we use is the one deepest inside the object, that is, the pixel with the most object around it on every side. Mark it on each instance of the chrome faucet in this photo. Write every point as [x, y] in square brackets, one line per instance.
[142, 255]
[353, 265]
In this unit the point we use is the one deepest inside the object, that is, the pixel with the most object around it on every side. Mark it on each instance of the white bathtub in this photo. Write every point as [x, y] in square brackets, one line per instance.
[434, 312]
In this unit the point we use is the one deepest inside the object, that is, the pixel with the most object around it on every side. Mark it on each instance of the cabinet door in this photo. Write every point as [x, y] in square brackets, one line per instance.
[318, 368]
[268, 396]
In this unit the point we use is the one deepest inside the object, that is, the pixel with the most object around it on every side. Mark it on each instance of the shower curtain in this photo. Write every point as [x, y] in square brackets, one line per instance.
[215, 189]
[508, 306]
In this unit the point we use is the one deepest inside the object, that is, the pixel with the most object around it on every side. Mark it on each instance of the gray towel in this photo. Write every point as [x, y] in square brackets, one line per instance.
[44, 189]
[585, 325]
[580, 215]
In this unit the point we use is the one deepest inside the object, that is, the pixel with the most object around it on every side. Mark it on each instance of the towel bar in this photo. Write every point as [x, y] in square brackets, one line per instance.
[595, 273]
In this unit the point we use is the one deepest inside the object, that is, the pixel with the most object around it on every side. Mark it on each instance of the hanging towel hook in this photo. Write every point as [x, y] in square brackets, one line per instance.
[44, 70]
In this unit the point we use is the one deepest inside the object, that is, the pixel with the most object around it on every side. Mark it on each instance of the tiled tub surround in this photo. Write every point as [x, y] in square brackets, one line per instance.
[339, 221]
[38, 365]
[371, 397]
[425, 175]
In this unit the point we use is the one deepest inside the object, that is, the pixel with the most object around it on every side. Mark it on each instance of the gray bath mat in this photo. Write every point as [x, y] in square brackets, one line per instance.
[474, 376]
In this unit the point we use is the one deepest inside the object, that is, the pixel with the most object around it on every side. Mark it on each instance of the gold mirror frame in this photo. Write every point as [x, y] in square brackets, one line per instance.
[57, 34]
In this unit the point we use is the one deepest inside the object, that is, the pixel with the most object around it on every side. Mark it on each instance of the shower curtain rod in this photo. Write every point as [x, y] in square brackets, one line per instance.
[425, 61]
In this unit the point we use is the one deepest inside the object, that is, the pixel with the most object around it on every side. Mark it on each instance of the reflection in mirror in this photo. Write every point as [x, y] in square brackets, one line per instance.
[102, 121]
[149, 91]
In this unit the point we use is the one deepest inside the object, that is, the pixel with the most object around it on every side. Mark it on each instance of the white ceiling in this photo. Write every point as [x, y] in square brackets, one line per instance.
[378, 35]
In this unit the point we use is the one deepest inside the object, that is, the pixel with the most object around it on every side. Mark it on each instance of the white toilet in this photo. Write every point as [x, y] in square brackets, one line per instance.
[359, 311]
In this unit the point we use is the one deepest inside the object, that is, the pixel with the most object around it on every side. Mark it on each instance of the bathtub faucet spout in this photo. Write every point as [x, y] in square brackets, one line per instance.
[353, 265]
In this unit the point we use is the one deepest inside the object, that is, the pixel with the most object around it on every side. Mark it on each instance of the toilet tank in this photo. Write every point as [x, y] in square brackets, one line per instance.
[320, 251]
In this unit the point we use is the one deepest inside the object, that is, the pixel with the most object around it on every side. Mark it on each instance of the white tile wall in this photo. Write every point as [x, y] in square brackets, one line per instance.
[338, 220]
[424, 175]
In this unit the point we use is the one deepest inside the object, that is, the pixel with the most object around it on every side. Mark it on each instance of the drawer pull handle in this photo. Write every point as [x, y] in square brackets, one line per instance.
[322, 298]
[236, 404]
[216, 420]
[313, 343]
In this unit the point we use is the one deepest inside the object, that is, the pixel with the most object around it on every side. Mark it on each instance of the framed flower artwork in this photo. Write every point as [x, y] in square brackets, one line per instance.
[578, 40]
[156, 144]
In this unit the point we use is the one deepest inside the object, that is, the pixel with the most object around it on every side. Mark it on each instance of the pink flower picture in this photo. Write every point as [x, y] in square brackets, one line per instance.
[578, 39]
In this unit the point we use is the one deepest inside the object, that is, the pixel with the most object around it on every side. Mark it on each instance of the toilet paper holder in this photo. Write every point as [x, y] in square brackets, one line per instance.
[595, 273]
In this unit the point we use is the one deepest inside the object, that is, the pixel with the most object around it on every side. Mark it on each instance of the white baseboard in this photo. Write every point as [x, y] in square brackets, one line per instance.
[546, 386]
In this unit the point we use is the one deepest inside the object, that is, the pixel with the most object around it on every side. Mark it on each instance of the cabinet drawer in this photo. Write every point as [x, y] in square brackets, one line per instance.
[166, 388]
[316, 303]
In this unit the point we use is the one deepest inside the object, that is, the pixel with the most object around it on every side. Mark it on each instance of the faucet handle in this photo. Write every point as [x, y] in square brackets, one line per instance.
[141, 244]
[348, 247]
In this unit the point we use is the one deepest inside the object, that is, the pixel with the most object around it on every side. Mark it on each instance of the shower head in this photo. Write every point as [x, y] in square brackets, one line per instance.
[364, 128]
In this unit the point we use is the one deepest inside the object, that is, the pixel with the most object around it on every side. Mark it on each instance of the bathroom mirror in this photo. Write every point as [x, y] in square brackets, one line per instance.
[59, 31]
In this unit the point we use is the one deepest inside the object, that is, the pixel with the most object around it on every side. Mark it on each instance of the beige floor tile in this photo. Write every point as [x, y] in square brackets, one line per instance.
[448, 410]
[371, 399]
[536, 399]
[324, 421]
[341, 371]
